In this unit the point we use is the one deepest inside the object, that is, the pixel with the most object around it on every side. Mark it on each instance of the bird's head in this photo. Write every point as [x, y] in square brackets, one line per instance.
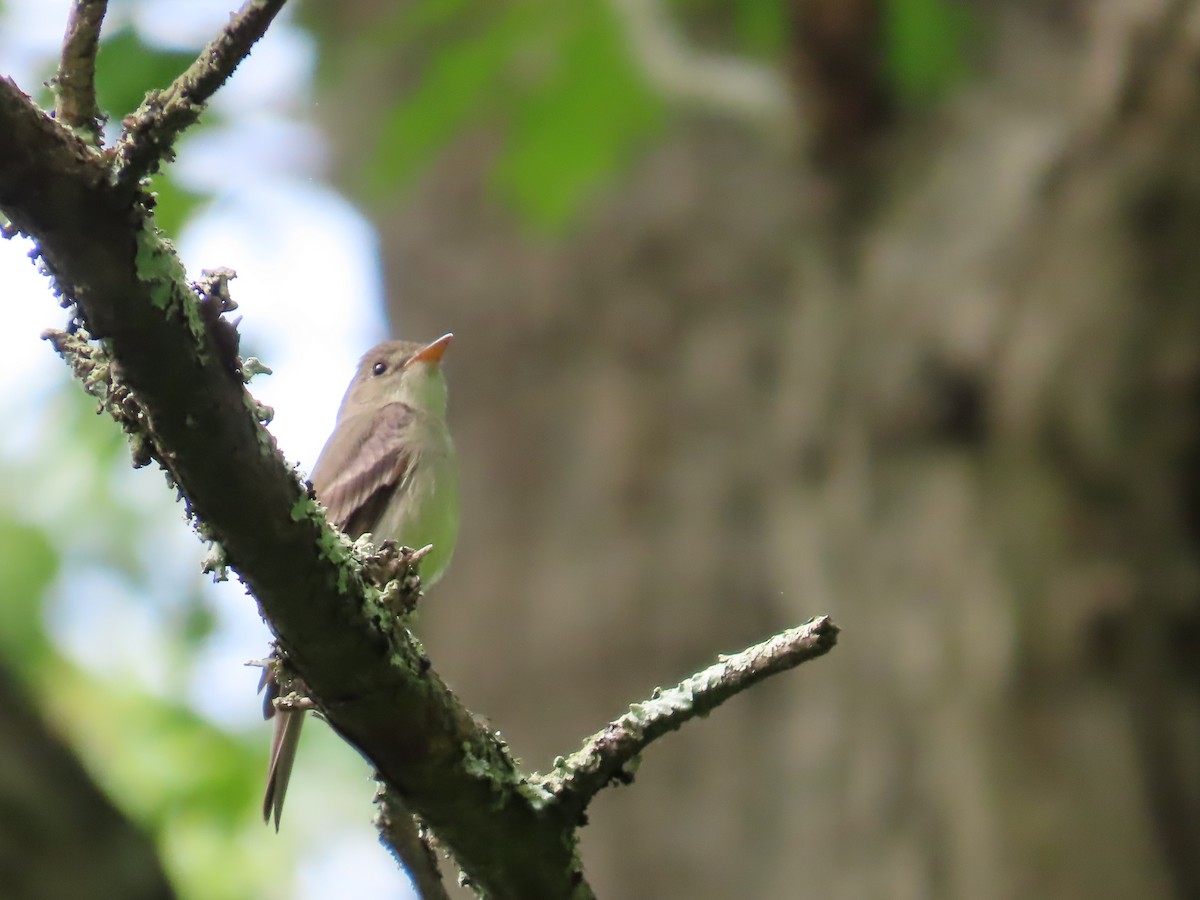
[400, 372]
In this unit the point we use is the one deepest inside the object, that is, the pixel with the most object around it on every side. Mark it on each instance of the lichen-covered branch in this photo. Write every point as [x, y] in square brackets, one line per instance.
[400, 833]
[364, 670]
[163, 359]
[93, 369]
[75, 84]
[150, 132]
[604, 756]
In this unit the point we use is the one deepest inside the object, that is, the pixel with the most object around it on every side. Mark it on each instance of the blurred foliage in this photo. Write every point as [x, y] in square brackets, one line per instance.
[577, 121]
[173, 203]
[924, 41]
[127, 67]
[760, 27]
[557, 83]
[67, 512]
[29, 562]
[754, 28]
[555, 80]
[176, 775]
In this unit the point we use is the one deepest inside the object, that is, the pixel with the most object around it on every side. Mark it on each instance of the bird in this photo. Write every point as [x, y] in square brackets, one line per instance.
[387, 469]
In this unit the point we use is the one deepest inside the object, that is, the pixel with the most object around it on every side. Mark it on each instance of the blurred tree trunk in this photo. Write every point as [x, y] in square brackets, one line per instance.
[941, 384]
[60, 836]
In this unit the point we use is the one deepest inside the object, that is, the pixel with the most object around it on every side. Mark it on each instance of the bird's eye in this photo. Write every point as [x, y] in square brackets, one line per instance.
[380, 368]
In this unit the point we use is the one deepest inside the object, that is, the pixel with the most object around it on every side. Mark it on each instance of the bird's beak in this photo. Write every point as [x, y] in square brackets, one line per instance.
[431, 352]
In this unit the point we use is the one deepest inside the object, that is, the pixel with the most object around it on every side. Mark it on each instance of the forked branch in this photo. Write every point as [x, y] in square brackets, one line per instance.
[150, 133]
[603, 757]
[167, 369]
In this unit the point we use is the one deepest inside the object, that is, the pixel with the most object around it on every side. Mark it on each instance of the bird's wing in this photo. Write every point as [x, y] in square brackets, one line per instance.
[364, 460]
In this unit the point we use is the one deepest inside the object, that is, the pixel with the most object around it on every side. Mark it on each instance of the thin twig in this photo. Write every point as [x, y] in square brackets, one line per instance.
[75, 86]
[400, 833]
[684, 73]
[150, 132]
[604, 756]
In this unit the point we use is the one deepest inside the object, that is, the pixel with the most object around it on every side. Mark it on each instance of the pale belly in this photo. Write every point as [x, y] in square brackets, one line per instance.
[431, 516]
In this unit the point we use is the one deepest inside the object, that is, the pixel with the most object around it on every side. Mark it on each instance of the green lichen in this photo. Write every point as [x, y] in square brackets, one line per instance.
[215, 563]
[502, 778]
[254, 366]
[99, 379]
[303, 509]
[334, 548]
[158, 267]
[260, 411]
[267, 441]
[389, 597]
[535, 791]
[332, 545]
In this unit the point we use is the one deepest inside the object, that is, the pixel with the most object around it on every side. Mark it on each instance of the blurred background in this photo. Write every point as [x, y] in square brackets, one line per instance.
[887, 310]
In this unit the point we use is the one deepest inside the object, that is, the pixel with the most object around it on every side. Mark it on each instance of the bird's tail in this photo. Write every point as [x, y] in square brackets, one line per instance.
[284, 742]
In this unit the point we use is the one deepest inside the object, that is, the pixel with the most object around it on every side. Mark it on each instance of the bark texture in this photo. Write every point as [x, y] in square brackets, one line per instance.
[947, 394]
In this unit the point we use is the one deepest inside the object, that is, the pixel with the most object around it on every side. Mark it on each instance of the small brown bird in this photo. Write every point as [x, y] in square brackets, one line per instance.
[388, 469]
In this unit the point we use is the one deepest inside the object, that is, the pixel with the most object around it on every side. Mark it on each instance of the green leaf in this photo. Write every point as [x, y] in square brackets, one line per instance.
[761, 28]
[29, 562]
[416, 22]
[199, 620]
[924, 41]
[452, 92]
[179, 776]
[577, 124]
[556, 80]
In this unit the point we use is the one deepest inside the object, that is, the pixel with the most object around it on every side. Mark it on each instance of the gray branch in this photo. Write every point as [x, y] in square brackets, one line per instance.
[343, 637]
[75, 84]
[162, 358]
[150, 132]
[400, 832]
[606, 754]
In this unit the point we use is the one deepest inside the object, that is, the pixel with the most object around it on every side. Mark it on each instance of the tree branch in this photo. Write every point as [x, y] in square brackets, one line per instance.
[364, 670]
[75, 84]
[605, 754]
[150, 132]
[726, 83]
[168, 369]
[401, 834]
